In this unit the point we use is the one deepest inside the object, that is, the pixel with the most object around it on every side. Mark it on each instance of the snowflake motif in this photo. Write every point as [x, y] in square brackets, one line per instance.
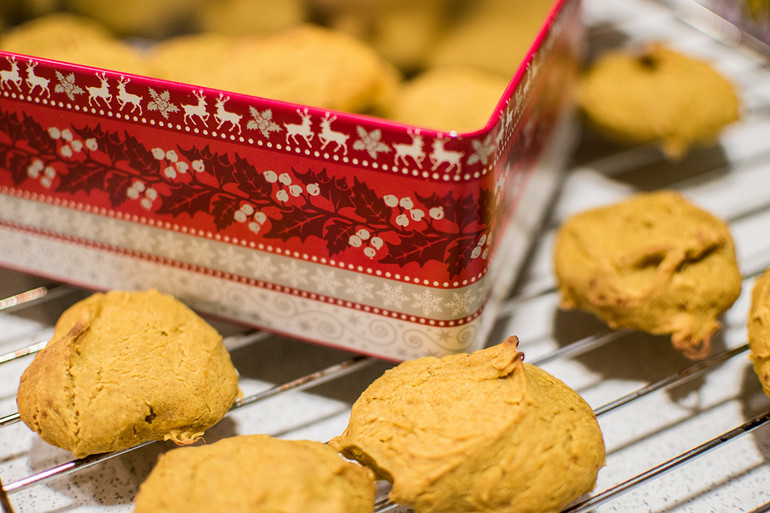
[67, 85]
[262, 121]
[359, 289]
[112, 232]
[426, 302]
[370, 142]
[140, 239]
[483, 150]
[461, 302]
[392, 296]
[293, 274]
[162, 103]
[232, 256]
[325, 281]
[33, 215]
[171, 245]
[263, 265]
[202, 252]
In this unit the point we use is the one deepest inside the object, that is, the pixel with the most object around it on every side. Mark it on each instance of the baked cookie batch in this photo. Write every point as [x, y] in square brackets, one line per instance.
[479, 432]
[464, 433]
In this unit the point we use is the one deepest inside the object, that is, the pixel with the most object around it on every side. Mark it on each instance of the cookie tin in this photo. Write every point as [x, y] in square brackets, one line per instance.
[338, 229]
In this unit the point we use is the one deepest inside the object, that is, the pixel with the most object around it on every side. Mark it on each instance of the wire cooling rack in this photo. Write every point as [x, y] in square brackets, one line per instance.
[681, 436]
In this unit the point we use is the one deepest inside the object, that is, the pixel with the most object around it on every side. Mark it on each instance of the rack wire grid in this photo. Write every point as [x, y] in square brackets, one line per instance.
[681, 436]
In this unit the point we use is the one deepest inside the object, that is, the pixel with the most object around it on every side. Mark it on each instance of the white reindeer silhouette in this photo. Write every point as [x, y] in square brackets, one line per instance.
[440, 155]
[12, 75]
[303, 129]
[222, 116]
[33, 81]
[103, 91]
[125, 97]
[414, 150]
[328, 135]
[198, 110]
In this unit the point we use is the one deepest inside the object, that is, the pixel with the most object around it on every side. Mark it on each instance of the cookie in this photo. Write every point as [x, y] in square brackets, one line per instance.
[249, 16]
[759, 329]
[475, 433]
[139, 18]
[657, 95]
[71, 38]
[403, 31]
[308, 64]
[256, 473]
[123, 368]
[450, 98]
[653, 262]
[492, 35]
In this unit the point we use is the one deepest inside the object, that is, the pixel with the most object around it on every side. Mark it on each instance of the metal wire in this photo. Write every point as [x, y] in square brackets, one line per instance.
[34, 296]
[669, 465]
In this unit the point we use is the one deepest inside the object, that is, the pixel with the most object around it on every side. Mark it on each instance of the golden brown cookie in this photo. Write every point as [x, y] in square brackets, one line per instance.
[139, 18]
[493, 35]
[451, 98]
[476, 433]
[249, 16]
[123, 368]
[251, 473]
[402, 31]
[657, 95]
[759, 329]
[653, 262]
[307, 64]
[71, 38]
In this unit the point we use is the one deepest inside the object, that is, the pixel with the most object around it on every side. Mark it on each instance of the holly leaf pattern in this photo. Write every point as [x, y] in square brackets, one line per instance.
[368, 204]
[223, 209]
[86, 178]
[418, 247]
[462, 212]
[300, 223]
[196, 182]
[116, 185]
[338, 232]
[458, 256]
[188, 201]
[249, 180]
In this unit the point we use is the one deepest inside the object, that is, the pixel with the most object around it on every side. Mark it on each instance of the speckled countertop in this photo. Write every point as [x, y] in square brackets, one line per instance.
[731, 180]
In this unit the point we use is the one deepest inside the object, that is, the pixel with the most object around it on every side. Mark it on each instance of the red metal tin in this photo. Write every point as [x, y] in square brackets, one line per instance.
[336, 228]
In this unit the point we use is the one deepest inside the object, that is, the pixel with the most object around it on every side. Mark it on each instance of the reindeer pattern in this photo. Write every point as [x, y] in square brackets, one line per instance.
[230, 119]
[11, 76]
[125, 98]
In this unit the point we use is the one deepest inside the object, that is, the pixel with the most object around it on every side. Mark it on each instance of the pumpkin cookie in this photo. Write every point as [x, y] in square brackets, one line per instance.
[71, 38]
[653, 262]
[759, 329]
[307, 64]
[492, 35]
[256, 473]
[139, 18]
[657, 95]
[475, 433]
[451, 98]
[123, 368]
[249, 16]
